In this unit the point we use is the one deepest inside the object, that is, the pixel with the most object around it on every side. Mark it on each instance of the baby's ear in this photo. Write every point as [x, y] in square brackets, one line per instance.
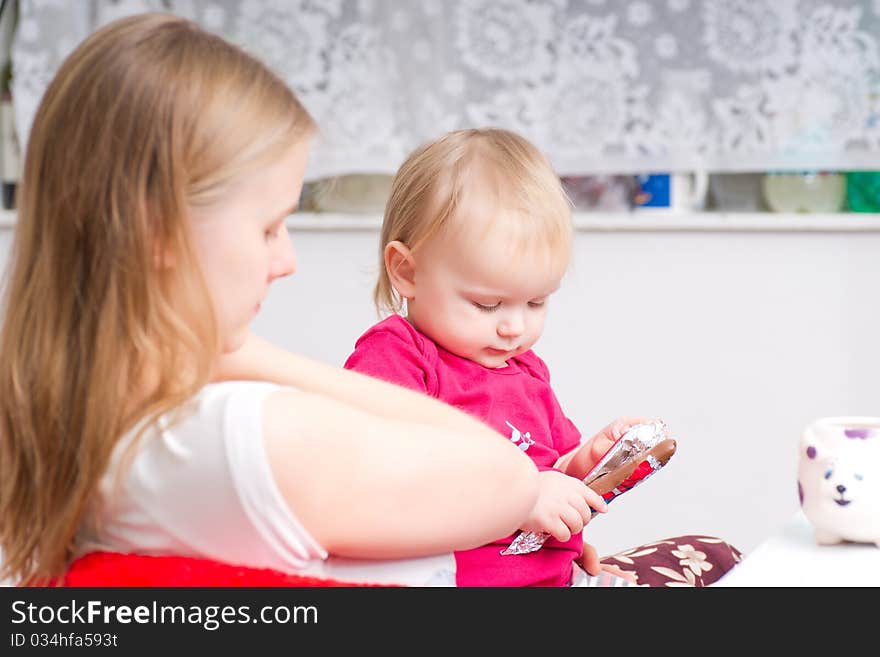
[401, 267]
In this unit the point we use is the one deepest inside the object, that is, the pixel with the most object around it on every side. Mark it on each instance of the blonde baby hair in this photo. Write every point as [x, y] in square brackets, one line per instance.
[149, 116]
[441, 182]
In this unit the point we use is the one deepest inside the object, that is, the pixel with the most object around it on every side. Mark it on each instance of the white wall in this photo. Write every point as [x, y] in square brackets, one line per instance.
[737, 340]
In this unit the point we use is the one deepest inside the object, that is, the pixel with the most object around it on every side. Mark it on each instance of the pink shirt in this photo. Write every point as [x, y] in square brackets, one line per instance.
[516, 400]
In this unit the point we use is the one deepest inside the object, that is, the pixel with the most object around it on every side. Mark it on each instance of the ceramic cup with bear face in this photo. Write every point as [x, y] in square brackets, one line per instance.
[839, 479]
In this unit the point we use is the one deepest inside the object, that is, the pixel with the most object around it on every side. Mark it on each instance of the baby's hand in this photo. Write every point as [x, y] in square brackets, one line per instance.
[602, 441]
[590, 562]
[563, 506]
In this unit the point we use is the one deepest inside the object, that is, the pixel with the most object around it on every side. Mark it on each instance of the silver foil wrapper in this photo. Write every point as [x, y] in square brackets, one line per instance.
[526, 542]
[638, 439]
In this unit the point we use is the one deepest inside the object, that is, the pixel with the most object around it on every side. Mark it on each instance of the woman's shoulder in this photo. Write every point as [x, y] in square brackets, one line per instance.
[197, 476]
[214, 414]
[225, 392]
[207, 416]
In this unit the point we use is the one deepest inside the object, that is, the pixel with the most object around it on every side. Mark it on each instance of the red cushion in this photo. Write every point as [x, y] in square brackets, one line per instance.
[116, 569]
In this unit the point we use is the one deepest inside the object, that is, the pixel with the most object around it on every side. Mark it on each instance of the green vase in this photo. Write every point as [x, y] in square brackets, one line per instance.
[863, 191]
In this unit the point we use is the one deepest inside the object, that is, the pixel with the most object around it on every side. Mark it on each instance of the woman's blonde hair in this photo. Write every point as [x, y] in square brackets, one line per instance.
[441, 182]
[104, 300]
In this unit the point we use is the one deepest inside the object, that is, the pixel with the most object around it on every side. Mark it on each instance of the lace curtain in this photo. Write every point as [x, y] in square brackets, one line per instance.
[602, 86]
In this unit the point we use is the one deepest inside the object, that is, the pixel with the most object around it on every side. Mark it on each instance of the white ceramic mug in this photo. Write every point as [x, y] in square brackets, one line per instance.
[839, 479]
[689, 191]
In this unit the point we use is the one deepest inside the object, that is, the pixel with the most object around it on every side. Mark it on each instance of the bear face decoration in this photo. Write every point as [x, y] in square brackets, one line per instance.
[839, 479]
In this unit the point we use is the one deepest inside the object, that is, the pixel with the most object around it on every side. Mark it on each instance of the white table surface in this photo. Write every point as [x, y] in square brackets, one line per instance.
[793, 558]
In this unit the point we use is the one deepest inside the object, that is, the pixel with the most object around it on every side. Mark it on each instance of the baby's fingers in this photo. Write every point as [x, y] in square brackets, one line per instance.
[590, 559]
[573, 519]
[559, 530]
[585, 493]
[594, 500]
[621, 425]
[615, 570]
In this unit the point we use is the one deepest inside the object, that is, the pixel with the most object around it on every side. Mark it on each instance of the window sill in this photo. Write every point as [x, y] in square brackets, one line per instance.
[644, 222]
[641, 221]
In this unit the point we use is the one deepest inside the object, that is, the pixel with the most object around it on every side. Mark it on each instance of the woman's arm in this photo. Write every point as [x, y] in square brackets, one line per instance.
[260, 360]
[370, 486]
[375, 470]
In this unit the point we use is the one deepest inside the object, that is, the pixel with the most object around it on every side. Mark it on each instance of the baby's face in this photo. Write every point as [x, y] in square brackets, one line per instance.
[479, 301]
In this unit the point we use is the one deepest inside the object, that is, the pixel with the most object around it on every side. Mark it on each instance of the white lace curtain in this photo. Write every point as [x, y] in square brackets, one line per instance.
[602, 86]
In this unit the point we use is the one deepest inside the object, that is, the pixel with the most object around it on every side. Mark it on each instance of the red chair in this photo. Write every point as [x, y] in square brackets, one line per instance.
[112, 569]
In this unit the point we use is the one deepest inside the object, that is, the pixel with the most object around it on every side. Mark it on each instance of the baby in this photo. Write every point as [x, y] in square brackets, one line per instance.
[476, 238]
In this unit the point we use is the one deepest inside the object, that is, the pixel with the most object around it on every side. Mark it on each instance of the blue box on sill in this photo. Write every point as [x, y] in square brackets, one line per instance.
[653, 191]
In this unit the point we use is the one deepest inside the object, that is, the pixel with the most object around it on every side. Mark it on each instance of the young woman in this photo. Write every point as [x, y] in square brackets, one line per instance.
[160, 168]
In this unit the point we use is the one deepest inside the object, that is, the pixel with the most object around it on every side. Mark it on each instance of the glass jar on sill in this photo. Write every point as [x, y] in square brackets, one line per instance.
[736, 192]
[804, 191]
[357, 193]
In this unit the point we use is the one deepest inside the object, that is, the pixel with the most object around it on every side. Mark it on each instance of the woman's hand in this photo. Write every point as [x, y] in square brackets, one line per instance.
[563, 507]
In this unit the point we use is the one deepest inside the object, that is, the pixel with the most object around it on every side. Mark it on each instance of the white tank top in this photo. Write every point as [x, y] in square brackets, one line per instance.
[200, 485]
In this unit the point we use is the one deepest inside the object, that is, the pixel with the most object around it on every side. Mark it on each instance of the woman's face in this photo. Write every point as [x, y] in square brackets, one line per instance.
[242, 242]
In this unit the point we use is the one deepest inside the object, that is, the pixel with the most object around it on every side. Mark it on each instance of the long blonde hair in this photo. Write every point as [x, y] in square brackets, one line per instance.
[149, 116]
[441, 181]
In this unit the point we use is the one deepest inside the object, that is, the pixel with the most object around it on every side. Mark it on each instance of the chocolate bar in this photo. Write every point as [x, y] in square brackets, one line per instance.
[635, 456]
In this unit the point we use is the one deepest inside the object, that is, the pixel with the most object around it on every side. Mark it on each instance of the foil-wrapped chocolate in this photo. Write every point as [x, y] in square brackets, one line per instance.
[639, 439]
[639, 453]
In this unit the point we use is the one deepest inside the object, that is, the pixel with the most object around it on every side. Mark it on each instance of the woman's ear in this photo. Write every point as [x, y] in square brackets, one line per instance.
[401, 267]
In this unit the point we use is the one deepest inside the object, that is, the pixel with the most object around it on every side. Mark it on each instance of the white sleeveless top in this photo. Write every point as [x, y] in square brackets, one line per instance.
[200, 485]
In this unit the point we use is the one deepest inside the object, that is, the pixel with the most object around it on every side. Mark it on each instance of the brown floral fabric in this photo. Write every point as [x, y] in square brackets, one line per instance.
[691, 560]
